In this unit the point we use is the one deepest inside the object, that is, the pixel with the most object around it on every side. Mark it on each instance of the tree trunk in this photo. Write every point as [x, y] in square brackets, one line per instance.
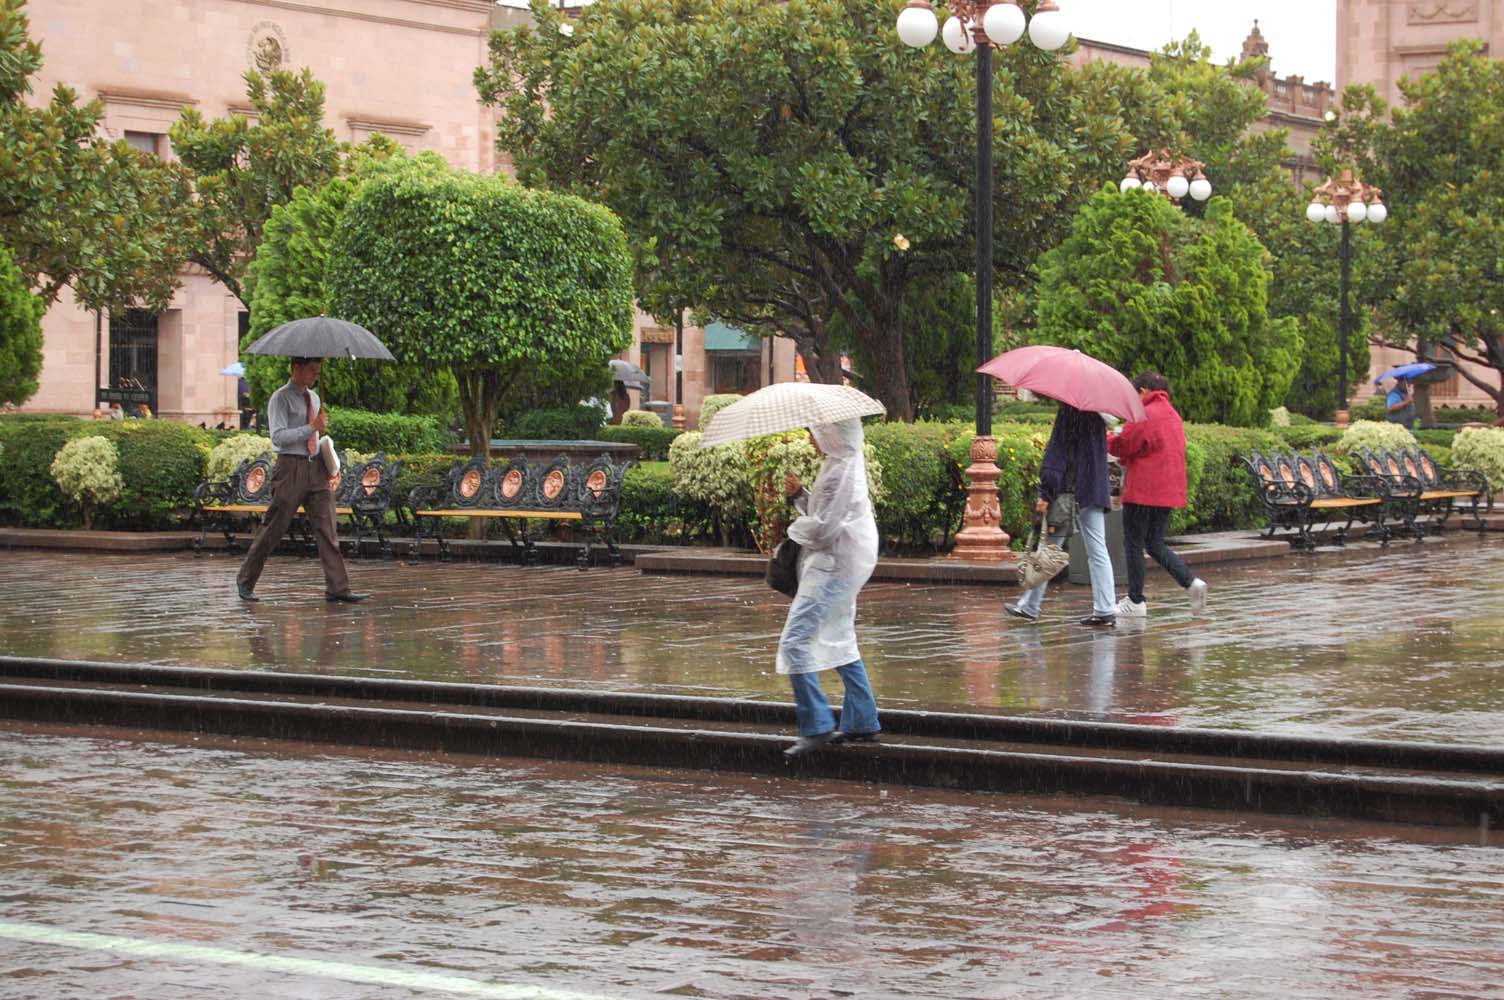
[890, 379]
[1424, 414]
[480, 398]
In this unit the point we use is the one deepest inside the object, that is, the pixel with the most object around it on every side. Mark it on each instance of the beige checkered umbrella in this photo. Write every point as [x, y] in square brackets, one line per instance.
[787, 406]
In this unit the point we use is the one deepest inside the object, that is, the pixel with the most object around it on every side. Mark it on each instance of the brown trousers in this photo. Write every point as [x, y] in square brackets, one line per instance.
[297, 482]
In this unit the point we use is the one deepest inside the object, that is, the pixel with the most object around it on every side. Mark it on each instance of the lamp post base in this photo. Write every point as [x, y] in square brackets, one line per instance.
[1341, 420]
[678, 416]
[982, 538]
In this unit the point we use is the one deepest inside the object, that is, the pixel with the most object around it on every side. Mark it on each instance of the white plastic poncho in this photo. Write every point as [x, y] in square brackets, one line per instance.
[839, 536]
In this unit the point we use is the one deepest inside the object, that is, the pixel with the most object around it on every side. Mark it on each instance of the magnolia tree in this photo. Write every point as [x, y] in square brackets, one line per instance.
[1144, 287]
[482, 278]
[20, 334]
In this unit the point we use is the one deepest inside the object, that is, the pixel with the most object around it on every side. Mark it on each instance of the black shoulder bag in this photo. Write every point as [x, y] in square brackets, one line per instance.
[783, 567]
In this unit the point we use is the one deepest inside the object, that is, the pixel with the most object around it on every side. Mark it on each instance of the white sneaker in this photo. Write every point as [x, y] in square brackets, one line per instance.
[1197, 593]
[1132, 609]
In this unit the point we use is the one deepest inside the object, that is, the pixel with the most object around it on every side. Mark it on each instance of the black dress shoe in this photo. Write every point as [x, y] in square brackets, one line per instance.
[246, 593]
[1099, 621]
[1018, 612]
[809, 744]
[856, 737]
[346, 597]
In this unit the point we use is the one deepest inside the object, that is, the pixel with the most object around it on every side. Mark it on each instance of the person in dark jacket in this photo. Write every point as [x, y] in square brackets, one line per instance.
[1075, 461]
[1153, 455]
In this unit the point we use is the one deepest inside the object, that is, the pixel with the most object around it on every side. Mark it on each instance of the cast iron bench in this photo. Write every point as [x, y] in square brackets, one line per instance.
[1430, 491]
[519, 489]
[362, 492]
[1306, 494]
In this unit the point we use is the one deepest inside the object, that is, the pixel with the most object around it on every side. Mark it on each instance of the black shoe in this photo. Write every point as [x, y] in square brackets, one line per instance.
[856, 737]
[246, 593]
[809, 744]
[346, 597]
[1018, 612]
[1099, 621]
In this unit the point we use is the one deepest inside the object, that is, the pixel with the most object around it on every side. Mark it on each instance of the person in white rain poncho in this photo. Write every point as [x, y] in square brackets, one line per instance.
[838, 534]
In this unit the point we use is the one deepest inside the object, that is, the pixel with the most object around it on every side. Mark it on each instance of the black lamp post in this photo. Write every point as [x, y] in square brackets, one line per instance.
[983, 25]
[1341, 201]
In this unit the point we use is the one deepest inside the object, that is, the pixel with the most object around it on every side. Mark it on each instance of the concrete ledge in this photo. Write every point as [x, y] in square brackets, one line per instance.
[97, 541]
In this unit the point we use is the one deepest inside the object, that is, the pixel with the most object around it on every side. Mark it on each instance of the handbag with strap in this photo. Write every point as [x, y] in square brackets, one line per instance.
[783, 567]
[1041, 563]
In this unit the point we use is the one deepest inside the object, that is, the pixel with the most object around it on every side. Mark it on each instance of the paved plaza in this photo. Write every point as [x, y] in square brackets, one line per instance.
[188, 866]
[1399, 643]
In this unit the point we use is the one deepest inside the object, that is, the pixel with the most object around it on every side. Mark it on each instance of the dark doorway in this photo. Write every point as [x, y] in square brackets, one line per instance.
[133, 359]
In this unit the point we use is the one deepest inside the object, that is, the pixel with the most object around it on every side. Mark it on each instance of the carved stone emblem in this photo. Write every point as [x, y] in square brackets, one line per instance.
[1444, 12]
[553, 484]
[266, 49]
[511, 484]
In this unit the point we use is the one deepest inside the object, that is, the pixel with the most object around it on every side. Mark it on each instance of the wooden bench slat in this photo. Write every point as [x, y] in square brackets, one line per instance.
[258, 508]
[1330, 503]
[1445, 494]
[562, 515]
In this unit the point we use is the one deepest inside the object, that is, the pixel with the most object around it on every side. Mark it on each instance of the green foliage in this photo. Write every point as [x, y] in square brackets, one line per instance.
[1195, 470]
[1303, 437]
[803, 164]
[1279, 417]
[769, 460]
[920, 479]
[289, 272]
[716, 477]
[641, 418]
[29, 496]
[1464, 414]
[654, 441]
[1143, 287]
[714, 403]
[1480, 448]
[1434, 437]
[162, 462]
[20, 334]
[226, 456]
[390, 433]
[420, 469]
[484, 278]
[87, 470]
[1225, 497]
[242, 170]
[77, 210]
[572, 423]
[1374, 435]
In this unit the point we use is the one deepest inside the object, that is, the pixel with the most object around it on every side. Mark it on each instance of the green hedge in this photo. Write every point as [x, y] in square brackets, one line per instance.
[571, 423]
[654, 441]
[1225, 498]
[391, 433]
[161, 461]
[1304, 437]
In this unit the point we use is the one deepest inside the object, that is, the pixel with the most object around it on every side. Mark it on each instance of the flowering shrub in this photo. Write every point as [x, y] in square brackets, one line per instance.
[715, 477]
[1481, 448]
[87, 470]
[772, 457]
[226, 456]
[1373, 435]
[641, 418]
[1279, 417]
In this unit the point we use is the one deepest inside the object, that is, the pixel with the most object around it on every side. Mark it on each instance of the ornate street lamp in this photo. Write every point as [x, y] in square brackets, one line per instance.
[983, 25]
[1341, 201]
[1172, 176]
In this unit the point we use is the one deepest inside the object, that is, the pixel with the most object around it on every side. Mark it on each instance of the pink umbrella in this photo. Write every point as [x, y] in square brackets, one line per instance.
[1069, 376]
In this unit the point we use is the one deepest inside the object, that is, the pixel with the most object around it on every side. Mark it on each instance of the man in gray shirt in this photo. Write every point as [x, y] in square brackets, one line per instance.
[298, 480]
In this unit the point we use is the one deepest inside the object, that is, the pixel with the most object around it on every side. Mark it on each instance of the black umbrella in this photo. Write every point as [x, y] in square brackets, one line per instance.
[321, 337]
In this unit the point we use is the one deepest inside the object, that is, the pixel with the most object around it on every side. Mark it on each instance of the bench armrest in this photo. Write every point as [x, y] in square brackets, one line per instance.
[212, 492]
[1381, 488]
[427, 496]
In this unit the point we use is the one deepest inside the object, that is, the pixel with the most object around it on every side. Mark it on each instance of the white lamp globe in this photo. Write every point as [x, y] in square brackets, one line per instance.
[1129, 183]
[1177, 186]
[1356, 211]
[956, 37]
[1201, 189]
[917, 26]
[1330, 214]
[1150, 187]
[1377, 212]
[1315, 212]
[1048, 30]
[1004, 23]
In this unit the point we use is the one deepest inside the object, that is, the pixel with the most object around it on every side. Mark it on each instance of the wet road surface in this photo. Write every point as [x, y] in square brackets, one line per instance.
[1404, 642]
[205, 868]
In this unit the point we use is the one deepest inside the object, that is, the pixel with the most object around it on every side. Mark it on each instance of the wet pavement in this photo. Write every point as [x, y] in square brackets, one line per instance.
[1403, 642]
[208, 868]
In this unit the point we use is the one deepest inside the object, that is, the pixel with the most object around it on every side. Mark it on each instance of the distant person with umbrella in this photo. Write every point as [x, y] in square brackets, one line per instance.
[1154, 484]
[620, 402]
[299, 478]
[1075, 466]
[1400, 404]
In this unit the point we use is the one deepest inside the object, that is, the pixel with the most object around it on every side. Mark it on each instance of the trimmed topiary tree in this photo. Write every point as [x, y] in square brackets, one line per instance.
[483, 278]
[1144, 287]
[1373, 435]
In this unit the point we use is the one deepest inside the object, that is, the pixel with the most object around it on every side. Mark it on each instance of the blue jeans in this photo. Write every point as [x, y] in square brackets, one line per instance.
[1094, 536]
[858, 708]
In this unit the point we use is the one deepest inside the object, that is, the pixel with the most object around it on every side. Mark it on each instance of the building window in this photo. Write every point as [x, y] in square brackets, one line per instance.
[149, 143]
[738, 371]
[133, 360]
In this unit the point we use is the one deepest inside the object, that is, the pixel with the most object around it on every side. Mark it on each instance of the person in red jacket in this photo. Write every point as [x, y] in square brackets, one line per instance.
[1153, 455]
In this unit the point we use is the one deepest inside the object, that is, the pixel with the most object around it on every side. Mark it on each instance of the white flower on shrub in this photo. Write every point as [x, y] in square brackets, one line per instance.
[1374, 435]
[1279, 417]
[87, 470]
[1481, 448]
[226, 456]
[641, 418]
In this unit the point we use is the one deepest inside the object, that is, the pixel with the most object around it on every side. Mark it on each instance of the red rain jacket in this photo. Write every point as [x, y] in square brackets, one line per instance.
[1153, 455]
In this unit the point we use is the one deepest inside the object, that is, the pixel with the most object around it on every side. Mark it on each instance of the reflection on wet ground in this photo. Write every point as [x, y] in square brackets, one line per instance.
[638, 883]
[1368, 642]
